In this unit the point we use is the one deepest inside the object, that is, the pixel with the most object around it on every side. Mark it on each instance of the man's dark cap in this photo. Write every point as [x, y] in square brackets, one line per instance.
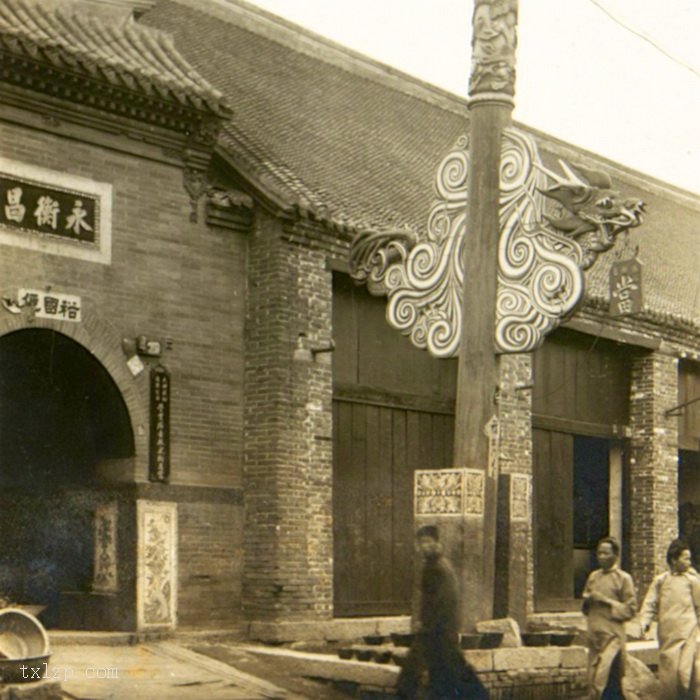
[428, 531]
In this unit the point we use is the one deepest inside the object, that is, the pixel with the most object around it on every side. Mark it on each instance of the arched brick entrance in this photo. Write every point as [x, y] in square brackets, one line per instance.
[72, 421]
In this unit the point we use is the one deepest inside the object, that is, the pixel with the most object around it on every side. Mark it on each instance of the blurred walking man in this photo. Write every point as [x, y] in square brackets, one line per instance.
[435, 647]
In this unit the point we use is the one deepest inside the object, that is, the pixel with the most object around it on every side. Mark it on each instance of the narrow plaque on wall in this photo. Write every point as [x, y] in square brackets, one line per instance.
[159, 462]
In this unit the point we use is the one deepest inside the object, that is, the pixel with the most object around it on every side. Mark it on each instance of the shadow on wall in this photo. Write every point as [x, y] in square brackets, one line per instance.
[47, 546]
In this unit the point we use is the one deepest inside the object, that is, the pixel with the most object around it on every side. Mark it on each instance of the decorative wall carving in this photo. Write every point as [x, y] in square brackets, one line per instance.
[449, 492]
[520, 497]
[207, 131]
[474, 486]
[157, 564]
[196, 185]
[105, 579]
[439, 491]
[550, 234]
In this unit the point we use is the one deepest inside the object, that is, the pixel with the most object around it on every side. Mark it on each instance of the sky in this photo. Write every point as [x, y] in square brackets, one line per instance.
[582, 76]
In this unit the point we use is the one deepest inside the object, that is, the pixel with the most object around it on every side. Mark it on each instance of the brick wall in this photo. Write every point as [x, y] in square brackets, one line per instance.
[169, 278]
[288, 463]
[653, 464]
[531, 673]
[210, 564]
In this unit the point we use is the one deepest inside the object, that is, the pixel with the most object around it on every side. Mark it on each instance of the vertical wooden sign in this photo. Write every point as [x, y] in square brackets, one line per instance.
[626, 297]
[159, 448]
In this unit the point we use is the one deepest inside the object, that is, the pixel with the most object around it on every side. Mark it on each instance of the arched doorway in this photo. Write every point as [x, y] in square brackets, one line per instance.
[60, 415]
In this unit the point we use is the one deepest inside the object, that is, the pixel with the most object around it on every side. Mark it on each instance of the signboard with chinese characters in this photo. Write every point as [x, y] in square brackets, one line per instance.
[159, 461]
[60, 307]
[626, 287]
[55, 212]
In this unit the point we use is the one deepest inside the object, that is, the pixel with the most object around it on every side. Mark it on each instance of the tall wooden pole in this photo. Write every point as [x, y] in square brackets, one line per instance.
[492, 86]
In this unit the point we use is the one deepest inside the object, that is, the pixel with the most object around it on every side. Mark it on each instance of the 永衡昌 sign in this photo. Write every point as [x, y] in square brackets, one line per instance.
[42, 209]
[55, 212]
[159, 462]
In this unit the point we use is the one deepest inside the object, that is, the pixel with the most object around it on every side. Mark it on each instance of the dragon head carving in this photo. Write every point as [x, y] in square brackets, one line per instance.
[592, 212]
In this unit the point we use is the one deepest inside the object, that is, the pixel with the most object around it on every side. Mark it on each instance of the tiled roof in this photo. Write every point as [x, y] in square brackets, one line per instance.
[358, 140]
[669, 249]
[78, 38]
[365, 150]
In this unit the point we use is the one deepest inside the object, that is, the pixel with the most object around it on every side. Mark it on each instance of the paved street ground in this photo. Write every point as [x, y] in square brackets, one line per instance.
[283, 672]
[162, 671]
[210, 670]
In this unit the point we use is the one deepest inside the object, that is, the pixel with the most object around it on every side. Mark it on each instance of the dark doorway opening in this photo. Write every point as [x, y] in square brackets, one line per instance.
[579, 498]
[60, 414]
[591, 504]
[689, 500]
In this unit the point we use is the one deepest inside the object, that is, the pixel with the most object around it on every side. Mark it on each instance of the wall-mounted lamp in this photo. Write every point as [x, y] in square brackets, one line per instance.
[141, 345]
[304, 353]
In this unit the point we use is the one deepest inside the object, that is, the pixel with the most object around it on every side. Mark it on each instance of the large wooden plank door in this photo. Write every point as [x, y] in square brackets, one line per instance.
[553, 511]
[376, 450]
[393, 413]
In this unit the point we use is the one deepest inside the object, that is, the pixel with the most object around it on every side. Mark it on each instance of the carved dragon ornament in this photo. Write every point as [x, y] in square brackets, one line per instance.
[553, 227]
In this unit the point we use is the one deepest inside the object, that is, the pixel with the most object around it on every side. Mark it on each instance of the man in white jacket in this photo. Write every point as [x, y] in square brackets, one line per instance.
[673, 599]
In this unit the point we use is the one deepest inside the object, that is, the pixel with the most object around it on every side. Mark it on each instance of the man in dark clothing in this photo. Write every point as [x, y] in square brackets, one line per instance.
[435, 647]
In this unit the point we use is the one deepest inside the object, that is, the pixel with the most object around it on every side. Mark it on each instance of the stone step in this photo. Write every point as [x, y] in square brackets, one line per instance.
[80, 637]
[329, 667]
[556, 667]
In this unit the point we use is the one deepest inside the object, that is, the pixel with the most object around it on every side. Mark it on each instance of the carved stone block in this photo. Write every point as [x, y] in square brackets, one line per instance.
[449, 492]
[157, 564]
[105, 579]
[520, 497]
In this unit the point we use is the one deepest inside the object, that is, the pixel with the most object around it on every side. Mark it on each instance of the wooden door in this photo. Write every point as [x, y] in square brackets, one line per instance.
[376, 450]
[553, 510]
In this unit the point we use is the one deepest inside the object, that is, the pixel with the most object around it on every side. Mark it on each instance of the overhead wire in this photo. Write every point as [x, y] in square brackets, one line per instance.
[646, 38]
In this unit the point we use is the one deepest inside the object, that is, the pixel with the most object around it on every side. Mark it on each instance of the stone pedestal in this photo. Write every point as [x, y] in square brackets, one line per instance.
[457, 502]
